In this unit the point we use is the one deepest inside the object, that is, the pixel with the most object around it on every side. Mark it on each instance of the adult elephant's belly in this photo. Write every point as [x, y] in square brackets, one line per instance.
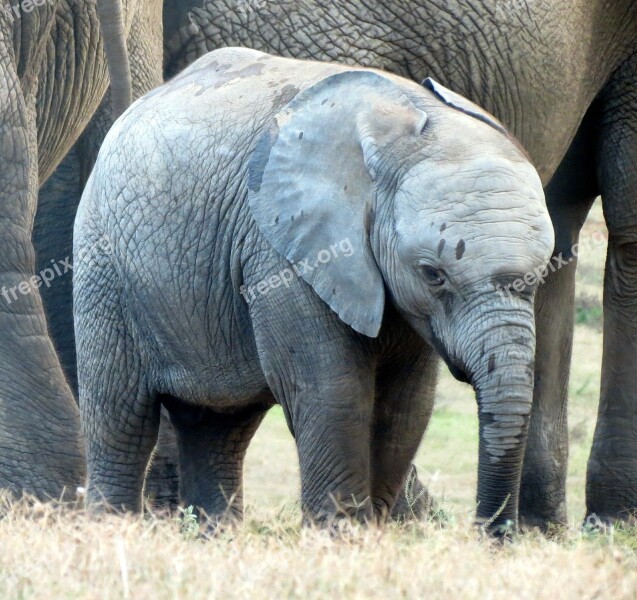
[511, 65]
[72, 81]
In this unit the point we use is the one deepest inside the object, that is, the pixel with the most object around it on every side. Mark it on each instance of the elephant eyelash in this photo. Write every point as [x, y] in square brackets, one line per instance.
[433, 276]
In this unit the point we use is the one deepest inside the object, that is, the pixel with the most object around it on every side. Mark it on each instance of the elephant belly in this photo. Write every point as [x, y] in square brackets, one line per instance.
[223, 383]
[195, 330]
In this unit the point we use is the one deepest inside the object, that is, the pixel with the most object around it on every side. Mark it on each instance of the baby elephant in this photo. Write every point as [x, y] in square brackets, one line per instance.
[263, 230]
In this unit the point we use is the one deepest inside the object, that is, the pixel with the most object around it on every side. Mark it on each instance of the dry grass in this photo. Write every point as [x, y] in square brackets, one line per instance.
[49, 552]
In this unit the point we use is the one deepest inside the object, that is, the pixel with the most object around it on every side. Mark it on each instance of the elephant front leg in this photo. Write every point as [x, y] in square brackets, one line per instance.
[404, 402]
[543, 486]
[211, 449]
[40, 446]
[332, 430]
[611, 486]
[323, 375]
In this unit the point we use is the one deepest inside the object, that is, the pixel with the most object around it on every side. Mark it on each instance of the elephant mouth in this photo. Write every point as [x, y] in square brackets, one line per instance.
[458, 373]
[457, 370]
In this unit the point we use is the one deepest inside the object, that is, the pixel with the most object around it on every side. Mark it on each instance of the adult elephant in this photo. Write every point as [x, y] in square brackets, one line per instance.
[53, 78]
[563, 78]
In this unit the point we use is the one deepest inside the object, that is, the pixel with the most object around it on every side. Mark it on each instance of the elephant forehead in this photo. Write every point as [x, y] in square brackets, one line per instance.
[487, 211]
[484, 188]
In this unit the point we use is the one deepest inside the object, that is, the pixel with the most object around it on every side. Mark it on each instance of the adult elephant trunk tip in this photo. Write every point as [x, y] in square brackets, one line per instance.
[111, 17]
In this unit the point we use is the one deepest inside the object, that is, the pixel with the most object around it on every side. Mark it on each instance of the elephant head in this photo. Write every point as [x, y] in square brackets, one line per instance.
[443, 211]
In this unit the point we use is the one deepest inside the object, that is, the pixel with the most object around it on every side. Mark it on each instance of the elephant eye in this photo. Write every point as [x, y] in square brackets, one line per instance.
[434, 277]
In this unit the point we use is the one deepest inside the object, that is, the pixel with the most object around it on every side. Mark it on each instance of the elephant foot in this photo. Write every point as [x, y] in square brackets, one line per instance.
[161, 488]
[338, 514]
[546, 525]
[593, 523]
[542, 504]
[195, 524]
[161, 491]
[547, 521]
[611, 492]
[415, 502]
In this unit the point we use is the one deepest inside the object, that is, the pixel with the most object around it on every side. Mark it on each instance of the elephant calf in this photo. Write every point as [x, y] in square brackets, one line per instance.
[307, 234]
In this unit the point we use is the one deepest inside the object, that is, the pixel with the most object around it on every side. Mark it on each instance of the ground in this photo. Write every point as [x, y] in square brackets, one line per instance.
[52, 552]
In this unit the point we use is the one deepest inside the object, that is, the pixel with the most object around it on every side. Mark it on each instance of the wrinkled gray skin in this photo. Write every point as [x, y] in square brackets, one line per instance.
[245, 165]
[54, 77]
[563, 78]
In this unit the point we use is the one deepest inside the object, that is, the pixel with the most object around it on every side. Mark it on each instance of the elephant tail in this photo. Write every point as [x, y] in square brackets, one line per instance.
[111, 17]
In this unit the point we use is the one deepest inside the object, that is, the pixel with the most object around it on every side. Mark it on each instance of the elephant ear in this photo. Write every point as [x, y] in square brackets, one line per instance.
[463, 105]
[311, 186]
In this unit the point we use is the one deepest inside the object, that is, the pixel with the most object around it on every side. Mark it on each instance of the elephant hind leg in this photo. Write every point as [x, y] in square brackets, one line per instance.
[211, 449]
[120, 413]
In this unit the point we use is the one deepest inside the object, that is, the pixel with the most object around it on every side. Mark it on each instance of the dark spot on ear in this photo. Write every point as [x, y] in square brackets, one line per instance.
[443, 227]
[460, 249]
[491, 366]
[441, 247]
[276, 220]
[291, 217]
[301, 135]
[345, 189]
[324, 101]
[333, 105]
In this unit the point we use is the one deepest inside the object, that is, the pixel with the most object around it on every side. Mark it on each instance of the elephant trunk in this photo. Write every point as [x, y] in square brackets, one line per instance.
[503, 380]
[111, 19]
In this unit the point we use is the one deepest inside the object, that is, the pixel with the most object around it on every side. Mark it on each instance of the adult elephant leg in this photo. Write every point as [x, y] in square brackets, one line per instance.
[41, 450]
[61, 193]
[569, 196]
[404, 400]
[53, 242]
[611, 486]
[212, 447]
[53, 235]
